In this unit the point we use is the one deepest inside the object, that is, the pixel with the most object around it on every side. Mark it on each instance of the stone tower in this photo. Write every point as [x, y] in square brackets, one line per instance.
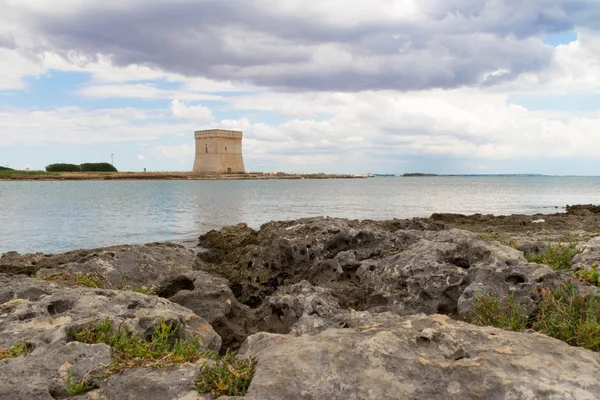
[218, 150]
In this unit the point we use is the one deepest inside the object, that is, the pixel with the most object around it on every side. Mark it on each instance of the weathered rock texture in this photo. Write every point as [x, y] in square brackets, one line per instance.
[126, 264]
[420, 357]
[331, 308]
[369, 265]
[43, 314]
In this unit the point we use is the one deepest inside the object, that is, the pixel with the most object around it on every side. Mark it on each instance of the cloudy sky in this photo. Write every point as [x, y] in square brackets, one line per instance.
[385, 86]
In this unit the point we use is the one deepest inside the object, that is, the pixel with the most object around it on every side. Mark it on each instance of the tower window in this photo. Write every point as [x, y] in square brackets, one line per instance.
[225, 148]
[207, 149]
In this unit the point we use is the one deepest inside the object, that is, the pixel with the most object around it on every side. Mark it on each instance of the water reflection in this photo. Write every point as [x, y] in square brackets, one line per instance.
[59, 216]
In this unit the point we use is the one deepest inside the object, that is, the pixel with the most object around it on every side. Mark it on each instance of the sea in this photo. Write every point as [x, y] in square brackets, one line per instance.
[57, 216]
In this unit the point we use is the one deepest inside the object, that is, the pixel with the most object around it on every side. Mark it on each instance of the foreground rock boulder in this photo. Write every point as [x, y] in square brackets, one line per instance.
[420, 357]
[43, 314]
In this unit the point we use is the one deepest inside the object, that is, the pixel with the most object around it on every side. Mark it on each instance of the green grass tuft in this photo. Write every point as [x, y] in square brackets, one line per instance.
[137, 289]
[89, 279]
[16, 350]
[226, 376]
[589, 276]
[558, 257]
[95, 280]
[133, 351]
[77, 388]
[218, 375]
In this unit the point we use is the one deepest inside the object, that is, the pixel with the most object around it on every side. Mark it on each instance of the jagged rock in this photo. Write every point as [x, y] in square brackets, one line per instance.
[589, 255]
[324, 251]
[140, 265]
[367, 265]
[300, 309]
[211, 298]
[43, 313]
[523, 282]
[431, 275]
[420, 357]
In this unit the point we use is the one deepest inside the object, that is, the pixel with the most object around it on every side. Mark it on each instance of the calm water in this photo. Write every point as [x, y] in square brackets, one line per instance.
[60, 216]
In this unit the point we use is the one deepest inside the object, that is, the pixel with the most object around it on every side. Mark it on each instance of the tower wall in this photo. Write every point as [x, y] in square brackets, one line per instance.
[218, 150]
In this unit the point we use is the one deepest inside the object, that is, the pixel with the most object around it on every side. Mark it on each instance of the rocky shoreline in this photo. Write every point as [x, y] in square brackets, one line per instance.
[324, 308]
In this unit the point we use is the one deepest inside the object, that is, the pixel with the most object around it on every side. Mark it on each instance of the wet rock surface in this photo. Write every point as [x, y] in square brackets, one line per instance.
[330, 308]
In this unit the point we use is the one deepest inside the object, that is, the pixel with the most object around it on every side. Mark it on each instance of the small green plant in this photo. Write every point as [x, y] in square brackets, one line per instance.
[88, 279]
[590, 276]
[570, 315]
[16, 350]
[133, 351]
[218, 375]
[564, 313]
[503, 313]
[77, 388]
[137, 289]
[558, 257]
[227, 376]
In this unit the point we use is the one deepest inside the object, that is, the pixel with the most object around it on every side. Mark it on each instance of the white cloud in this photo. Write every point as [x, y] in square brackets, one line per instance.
[141, 157]
[77, 126]
[180, 153]
[191, 113]
[14, 68]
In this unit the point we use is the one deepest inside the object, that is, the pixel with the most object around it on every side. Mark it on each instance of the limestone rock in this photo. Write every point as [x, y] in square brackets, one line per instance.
[420, 357]
[43, 313]
[140, 265]
[323, 251]
[211, 298]
[369, 265]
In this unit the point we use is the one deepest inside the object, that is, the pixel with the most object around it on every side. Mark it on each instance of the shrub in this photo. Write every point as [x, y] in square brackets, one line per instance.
[502, 313]
[63, 168]
[570, 315]
[590, 276]
[6, 169]
[565, 313]
[98, 167]
[559, 257]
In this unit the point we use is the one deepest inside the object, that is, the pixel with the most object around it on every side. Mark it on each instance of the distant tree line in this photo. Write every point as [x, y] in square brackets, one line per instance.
[85, 167]
[6, 169]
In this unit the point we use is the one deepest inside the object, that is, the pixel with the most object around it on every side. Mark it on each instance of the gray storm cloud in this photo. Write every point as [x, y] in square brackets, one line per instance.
[441, 44]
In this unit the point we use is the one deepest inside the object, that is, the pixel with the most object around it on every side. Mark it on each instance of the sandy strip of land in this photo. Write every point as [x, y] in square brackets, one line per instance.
[79, 176]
